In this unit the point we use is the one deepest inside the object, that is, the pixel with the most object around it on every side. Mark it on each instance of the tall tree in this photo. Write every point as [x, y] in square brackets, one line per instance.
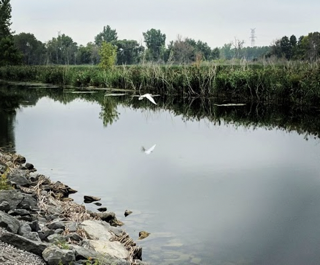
[9, 54]
[128, 51]
[181, 51]
[107, 35]
[313, 46]
[155, 42]
[32, 49]
[62, 50]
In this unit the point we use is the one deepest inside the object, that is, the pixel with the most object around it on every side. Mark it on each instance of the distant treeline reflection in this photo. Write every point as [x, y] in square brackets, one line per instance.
[303, 120]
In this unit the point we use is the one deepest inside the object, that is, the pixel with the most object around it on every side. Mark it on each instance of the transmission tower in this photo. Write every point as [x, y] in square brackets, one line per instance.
[253, 36]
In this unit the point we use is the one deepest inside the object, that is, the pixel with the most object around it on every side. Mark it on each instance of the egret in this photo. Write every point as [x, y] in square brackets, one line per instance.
[148, 151]
[148, 96]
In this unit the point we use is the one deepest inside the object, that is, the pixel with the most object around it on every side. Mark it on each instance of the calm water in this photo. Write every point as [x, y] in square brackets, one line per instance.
[209, 193]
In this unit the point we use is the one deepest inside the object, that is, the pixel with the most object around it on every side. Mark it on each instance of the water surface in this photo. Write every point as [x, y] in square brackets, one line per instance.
[209, 193]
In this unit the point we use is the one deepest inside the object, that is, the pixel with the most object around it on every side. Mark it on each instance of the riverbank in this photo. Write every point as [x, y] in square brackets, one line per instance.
[291, 82]
[37, 216]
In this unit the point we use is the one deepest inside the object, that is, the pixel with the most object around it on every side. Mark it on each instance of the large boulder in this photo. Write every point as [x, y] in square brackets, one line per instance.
[20, 242]
[55, 256]
[18, 200]
[26, 231]
[99, 235]
[113, 249]
[9, 223]
[96, 229]
[18, 177]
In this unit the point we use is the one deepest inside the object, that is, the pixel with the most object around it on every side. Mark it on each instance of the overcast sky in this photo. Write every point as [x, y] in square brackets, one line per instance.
[216, 22]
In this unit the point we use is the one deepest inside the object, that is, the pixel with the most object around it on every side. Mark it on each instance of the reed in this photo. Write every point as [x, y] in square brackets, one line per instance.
[297, 82]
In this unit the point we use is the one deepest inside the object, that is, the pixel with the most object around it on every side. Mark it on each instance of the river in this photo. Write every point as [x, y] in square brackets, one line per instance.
[212, 191]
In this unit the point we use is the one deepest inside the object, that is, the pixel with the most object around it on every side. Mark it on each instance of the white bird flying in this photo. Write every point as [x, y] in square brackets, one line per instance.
[148, 96]
[148, 151]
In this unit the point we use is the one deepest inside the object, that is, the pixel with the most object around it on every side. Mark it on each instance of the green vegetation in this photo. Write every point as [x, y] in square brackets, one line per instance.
[108, 55]
[61, 243]
[4, 185]
[9, 54]
[281, 83]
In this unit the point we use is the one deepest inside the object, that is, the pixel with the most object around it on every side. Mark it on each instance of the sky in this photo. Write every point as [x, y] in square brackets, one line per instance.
[216, 22]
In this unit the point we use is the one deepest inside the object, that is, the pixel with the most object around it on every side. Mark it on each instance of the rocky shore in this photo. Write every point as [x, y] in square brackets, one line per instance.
[40, 224]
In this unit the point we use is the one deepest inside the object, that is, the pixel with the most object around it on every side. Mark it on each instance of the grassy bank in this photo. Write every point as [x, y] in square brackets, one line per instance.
[284, 83]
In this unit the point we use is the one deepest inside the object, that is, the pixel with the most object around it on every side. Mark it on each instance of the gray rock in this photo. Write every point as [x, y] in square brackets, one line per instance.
[25, 231]
[108, 217]
[23, 243]
[84, 253]
[55, 238]
[99, 236]
[88, 198]
[72, 226]
[18, 200]
[4, 206]
[44, 234]
[18, 176]
[29, 166]
[58, 231]
[34, 177]
[11, 255]
[19, 159]
[20, 212]
[9, 223]
[54, 255]
[127, 212]
[102, 209]
[74, 237]
[3, 168]
[56, 225]
[35, 226]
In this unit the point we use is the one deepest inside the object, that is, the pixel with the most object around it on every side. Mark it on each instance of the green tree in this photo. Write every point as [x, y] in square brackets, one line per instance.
[107, 35]
[5, 17]
[286, 47]
[9, 54]
[88, 54]
[312, 46]
[204, 49]
[32, 49]
[108, 54]
[83, 55]
[181, 51]
[128, 51]
[155, 42]
[62, 50]
[215, 54]
[226, 52]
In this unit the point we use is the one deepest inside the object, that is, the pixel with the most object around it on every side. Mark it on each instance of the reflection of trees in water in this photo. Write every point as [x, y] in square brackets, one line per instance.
[289, 118]
[109, 113]
[303, 120]
[7, 141]
[8, 105]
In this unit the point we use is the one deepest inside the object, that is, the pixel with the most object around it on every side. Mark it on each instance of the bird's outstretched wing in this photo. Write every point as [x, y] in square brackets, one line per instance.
[148, 96]
[148, 151]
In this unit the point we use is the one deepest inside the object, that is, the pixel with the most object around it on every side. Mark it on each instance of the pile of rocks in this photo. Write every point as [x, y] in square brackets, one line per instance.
[37, 216]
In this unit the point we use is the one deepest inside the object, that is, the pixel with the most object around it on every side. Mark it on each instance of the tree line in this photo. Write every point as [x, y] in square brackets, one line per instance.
[24, 48]
[63, 50]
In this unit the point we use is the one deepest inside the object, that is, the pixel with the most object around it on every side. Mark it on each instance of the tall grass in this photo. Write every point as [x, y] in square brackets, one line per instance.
[297, 82]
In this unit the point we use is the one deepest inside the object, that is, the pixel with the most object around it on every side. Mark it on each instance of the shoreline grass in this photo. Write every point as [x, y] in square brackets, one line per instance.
[289, 82]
